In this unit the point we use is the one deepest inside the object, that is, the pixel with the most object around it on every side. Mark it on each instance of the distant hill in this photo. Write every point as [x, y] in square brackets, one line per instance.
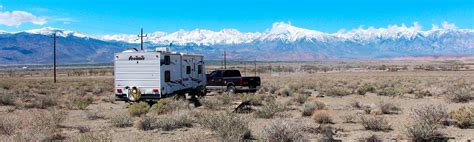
[283, 42]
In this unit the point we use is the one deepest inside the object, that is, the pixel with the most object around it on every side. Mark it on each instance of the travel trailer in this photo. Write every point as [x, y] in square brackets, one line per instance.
[148, 75]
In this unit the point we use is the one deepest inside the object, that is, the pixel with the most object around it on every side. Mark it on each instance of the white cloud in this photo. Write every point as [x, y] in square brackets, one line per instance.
[447, 25]
[16, 18]
[1, 6]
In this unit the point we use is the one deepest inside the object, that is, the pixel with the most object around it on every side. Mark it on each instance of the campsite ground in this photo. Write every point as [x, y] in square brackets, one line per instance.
[349, 101]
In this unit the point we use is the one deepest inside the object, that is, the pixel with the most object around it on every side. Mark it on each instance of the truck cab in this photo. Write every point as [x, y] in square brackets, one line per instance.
[231, 80]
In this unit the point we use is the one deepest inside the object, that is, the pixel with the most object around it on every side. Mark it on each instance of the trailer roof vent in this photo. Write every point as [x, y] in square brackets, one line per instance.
[130, 50]
[163, 49]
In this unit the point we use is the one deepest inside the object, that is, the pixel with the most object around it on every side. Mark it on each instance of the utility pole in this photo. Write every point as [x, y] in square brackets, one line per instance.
[255, 66]
[141, 37]
[225, 62]
[54, 55]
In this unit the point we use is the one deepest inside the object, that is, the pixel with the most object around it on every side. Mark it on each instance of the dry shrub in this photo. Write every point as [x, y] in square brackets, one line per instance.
[356, 104]
[421, 93]
[464, 117]
[43, 102]
[225, 99]
[285, 91]
[174, 121]
[375, 123]
[166, 105]
[423, 130]
[94, 115]
[268, 110]
[362, 90]
[310, 107]
[211, 103]
[389, 91]
[426, 122]
[138, 109]
[80, 102]
[430, 113]
[338, 91]
[372, 138]
[254, 99]
[146, 123]
[349, 118]
[300, 98]
[389, 108]
[460, 93]
[322, 118]
[228, 126]
[121, 121]
[8, 125]
[6, 99]
[283, 130]
[44, 126]
[92, 137]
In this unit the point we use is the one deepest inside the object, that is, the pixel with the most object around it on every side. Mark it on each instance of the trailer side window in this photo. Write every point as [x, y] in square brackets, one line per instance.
[167, 60]
[199, 69]
[167, 76]
[188, 69]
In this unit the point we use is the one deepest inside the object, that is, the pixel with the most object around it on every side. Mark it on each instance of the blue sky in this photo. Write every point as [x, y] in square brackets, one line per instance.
[117, 16]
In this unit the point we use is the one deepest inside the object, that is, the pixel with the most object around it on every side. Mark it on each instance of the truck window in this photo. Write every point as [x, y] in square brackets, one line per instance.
[199, 69]
[232, 73]
[167, 76]
[167, 59]
[188, 69]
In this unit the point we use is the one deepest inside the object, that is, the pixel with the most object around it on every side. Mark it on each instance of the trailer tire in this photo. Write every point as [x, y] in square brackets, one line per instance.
[231, 89]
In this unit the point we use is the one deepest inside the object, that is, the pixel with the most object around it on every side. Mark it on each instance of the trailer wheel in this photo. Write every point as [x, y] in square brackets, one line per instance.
[231, 89]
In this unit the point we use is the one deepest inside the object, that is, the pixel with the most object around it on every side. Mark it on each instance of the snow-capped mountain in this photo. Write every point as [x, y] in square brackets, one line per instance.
[281, 42]
[59, 32]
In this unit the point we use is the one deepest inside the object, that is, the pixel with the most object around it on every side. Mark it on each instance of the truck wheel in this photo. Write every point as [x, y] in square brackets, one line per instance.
[231, 89]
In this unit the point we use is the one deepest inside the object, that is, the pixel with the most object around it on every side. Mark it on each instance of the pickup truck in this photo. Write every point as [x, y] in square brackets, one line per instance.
[231, 81]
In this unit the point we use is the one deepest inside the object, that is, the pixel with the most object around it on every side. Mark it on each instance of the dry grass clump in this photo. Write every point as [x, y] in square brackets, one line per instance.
[464, 117]
[44, 126]
[283, 130]
[254, 99]
[6, 99]
[146, 123]
[9, 125]
[389, 108]
[362, 90]
[92, 137]
[430, 113]
[42, 102]
[390, 91]
[322, 118]
[460, 93]
[375, 123]
[211, 103]
[167, 105]
[338, 91]
[121, 121]
[227, 126]
[300, 98]
[310, 107]
[138, 109]
[94, 115]
[349, 118]
[80, 102]
[426, 122]
[285, 91]
[268, 110]
[372, 138]
[174, 121]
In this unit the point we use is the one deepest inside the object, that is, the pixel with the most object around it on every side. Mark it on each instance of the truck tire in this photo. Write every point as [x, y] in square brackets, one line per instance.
[231, 89]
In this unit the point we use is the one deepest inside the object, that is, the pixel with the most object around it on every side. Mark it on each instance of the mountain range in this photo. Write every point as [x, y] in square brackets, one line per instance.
[282, 42]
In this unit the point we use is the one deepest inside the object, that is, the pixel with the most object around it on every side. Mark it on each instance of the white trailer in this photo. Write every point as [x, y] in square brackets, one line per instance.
[151, 75]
